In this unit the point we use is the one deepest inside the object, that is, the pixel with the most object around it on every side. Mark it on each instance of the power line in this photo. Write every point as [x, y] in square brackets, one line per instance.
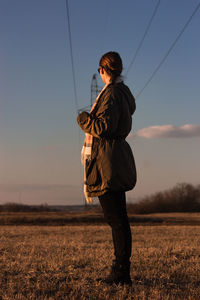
[168, 52]
[142, 40]
[73, 74]
[71, 54]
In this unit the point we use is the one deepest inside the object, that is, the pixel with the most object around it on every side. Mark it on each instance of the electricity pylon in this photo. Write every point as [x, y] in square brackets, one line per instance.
[94, 89]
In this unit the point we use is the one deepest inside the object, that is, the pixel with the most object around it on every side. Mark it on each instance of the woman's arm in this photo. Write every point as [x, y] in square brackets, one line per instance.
[105, 123]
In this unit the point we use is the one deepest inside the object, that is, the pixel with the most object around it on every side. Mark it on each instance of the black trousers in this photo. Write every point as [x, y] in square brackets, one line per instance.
[115, 213]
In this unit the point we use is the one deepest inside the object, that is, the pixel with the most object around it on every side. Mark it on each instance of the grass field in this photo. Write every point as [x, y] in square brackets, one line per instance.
[63, 262]
[92, 217]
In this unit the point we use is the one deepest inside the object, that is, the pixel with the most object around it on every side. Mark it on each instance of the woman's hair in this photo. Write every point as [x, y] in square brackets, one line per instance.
[112, 63]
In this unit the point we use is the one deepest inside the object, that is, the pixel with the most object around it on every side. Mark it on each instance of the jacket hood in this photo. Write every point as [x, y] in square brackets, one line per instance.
[124, 89]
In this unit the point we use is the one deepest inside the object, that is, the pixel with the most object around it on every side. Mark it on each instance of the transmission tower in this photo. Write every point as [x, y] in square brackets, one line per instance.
[94, 89]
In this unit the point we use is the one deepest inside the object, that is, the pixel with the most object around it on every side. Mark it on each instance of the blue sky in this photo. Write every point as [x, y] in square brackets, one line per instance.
[40, 146]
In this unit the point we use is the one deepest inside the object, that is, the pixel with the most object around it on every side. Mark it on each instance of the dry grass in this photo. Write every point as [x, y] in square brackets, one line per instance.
[92, 217]
[64, 262]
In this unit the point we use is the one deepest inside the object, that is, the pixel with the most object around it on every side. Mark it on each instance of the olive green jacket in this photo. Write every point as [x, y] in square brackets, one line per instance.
[112, 165]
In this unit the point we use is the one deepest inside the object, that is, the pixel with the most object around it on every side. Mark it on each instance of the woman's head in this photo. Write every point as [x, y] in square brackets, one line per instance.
[111, 62]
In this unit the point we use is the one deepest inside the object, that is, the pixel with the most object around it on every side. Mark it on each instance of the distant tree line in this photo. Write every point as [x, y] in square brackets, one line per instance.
[183, 197]
[18, 207]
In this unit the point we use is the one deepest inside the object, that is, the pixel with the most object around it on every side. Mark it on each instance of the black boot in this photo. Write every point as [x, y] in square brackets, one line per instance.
[119, 274]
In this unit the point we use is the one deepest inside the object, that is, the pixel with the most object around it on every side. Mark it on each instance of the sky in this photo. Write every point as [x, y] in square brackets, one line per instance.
[40, 139]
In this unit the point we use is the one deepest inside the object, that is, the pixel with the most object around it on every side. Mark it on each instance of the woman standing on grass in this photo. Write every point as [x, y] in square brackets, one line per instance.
[108, 159]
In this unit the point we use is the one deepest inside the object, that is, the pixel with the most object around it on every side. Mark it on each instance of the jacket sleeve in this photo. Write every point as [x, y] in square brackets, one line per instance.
[105, 122]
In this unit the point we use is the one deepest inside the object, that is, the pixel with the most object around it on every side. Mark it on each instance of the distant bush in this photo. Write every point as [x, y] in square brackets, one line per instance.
[182, 198]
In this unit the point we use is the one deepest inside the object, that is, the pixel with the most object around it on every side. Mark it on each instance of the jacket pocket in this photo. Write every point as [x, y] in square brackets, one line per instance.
[93, 177]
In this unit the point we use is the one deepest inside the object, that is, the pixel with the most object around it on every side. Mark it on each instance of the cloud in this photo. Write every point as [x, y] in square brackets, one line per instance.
[170, 131]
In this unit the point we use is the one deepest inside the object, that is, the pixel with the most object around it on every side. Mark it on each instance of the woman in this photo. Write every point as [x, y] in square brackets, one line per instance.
[108, 160]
